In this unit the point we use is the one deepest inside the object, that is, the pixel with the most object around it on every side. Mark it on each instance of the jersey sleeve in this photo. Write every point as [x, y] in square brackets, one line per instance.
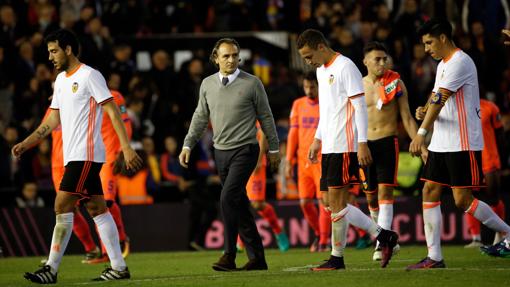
[352, 79]
[98, 88]
[454, 77]
[54, 99]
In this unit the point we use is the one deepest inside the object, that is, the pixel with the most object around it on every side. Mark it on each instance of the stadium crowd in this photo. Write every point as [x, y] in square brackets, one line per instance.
[161, 101]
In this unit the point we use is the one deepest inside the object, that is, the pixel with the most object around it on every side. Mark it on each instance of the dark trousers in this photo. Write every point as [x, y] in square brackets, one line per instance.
[234, 168]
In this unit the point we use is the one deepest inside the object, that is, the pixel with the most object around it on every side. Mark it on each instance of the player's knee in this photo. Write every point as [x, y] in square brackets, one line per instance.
[96, 208]
[463, 202]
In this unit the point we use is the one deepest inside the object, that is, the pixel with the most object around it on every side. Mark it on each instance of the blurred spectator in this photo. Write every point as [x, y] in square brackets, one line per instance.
[170, 167]
[29, 197]
[123, 65]
[6, 88]
[190, 80]
[96, 45]
[151, 159]
[423, 70]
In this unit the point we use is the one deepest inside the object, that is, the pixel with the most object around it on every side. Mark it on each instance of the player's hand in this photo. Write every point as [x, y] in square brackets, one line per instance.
[364, 155]
[289, 170]
[420, 113]
[424, 154]
[313, 151]
[132, 159]
[507, 33]
[184, 157]
[416, 145]
[274, 160]
[18, 149]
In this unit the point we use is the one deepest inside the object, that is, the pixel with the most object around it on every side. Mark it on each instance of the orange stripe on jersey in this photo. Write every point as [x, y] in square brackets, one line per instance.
[461, 114]
[428, 205]
[90, 130]
[348, 129]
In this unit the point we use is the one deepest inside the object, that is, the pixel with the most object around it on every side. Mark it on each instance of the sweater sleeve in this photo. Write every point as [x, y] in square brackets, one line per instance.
[199, 121]
[265, 116]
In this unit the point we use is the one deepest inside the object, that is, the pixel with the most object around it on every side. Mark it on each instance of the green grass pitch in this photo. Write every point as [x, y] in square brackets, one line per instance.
[466, 267]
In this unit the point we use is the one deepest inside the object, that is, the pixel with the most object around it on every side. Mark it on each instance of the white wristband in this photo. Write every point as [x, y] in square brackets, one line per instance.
[422, 131]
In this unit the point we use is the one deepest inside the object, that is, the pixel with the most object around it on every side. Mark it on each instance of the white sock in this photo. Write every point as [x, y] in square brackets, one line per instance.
[432, 222]
[374, 214]
[357, 218]
[339, 230]
[61, 234]
[385, 215]
[481, 211]
[110, 237]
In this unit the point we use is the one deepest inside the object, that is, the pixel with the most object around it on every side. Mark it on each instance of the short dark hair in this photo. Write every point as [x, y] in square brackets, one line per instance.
[435, 27]
[214, 52]
[64, 38]
[310, 76]
[311, 38]
[374, 46]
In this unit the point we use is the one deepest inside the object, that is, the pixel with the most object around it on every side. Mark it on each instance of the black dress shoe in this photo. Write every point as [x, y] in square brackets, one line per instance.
[226, 263]
[255, 264]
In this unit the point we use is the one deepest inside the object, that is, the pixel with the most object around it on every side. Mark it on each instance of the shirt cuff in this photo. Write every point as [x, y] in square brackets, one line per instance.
[186, 147]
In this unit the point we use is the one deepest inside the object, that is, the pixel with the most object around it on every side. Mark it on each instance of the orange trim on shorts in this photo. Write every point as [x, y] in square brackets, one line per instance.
[428, 180]
[475, 174]
[372, 208]
[345, 169]
[337, 187]
[469, 186]
[388, 184]
[356, 96]
[370, 191]
[428, 205]
[472, 207]
[83, 177]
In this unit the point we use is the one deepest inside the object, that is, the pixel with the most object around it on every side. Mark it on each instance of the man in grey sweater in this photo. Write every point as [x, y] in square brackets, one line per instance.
[233, 100]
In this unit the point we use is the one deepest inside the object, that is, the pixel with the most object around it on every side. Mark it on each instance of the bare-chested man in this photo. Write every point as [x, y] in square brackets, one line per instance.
[386, 97]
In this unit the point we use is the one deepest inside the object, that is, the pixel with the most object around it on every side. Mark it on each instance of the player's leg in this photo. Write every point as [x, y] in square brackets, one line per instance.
[109, 186]
[364, 240]
[493, 181]
[80, 225]
[306, 188]
[324, 212]
[65, 202]
[342, 213]
[106, 228]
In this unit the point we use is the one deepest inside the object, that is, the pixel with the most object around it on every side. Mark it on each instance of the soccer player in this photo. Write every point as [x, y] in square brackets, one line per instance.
[454, 157]
[256, 191]
[386, 98]
[492, 130]
[342, 132]
[304, 119]
[80, 95]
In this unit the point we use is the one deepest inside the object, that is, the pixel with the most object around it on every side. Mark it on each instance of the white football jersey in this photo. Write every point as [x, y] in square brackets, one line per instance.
[338, 80]
[78, 96]
[458, 126]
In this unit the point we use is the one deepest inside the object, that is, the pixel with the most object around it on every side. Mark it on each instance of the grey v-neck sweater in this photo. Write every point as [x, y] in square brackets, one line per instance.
[233, 110]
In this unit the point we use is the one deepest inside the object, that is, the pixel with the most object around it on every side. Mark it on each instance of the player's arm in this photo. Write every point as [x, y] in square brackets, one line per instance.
[263, 149]
[133, 161]
[361, 118]
[48, 124]
[436, 103]
[403, 108]
[292, 141]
